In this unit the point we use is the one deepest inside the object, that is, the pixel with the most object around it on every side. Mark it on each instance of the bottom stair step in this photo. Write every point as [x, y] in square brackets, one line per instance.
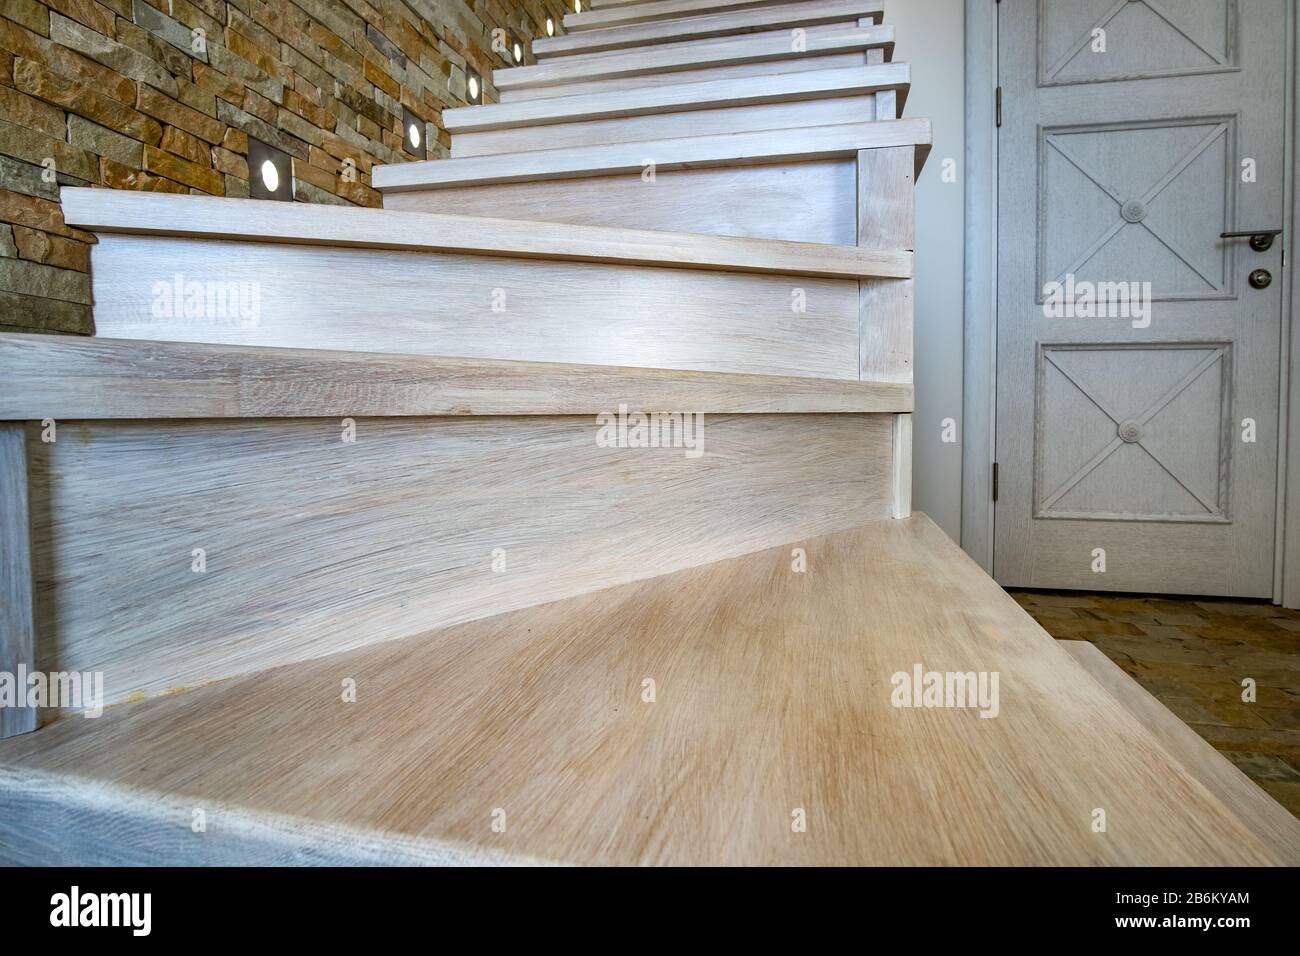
[1267, 818]
[773, 738]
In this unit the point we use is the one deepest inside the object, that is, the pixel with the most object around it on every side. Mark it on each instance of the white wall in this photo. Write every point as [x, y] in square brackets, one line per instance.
[930, 37]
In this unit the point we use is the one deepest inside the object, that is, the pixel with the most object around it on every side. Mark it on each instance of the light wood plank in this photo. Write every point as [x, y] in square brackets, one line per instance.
[656, 10]
[412, 303]
[68, 378]
[17, 605]
[1266, 818]
[803, 202]
[802, 14]
[702, 95]
[694, 54]
[211, 217]
[710, 773]
[313, 545]
[800, 145]
[786, 116]
[886, 217]
[902, 466]
[828, 61]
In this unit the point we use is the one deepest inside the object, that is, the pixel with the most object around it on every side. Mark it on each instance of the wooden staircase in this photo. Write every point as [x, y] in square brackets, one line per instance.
[557, 512]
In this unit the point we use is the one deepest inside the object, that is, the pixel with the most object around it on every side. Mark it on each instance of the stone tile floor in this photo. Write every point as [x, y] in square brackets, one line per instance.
[1192, 655]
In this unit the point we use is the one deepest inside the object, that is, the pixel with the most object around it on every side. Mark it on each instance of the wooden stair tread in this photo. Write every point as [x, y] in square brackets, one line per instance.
[213, 217]
[70, 378]
[804, 13]
[733, 149]
[674, 57]
[655, 10]
[1267, 818]
[772, 693]
[707, 94]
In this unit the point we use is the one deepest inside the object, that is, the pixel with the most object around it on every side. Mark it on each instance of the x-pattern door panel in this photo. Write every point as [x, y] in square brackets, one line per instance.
[1114, 194]
[1137, 448]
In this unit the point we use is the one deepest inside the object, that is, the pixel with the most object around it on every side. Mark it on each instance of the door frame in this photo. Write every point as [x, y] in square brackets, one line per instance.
[979, 431]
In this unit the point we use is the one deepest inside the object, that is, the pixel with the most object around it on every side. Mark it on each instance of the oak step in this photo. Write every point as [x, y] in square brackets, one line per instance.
[92, 379]
[541, 722]
[805, 13]
[241, 272]
[754, 55]
[655, 10]
[1267, 818]
[713, 107]
[706, 95]
[338, 500]
[798, 185]
[734, 149]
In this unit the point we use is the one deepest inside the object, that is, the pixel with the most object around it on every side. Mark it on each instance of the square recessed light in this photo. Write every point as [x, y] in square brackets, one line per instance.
[550, 27]
[517, 49]
[473, 87]
[270, 172]
[413, 134]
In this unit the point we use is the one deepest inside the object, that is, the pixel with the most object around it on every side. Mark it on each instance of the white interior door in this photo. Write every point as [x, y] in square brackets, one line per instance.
[1137, 448]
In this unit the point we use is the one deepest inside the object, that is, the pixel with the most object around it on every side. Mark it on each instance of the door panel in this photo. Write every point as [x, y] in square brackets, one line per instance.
[1120, 429]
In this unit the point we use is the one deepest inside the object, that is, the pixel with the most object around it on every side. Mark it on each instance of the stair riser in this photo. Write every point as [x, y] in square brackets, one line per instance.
[313, 545]
[592, 43]
[737, 119]
[379, 300]
[739, 71]
[803, 202]
[593, 19]
[725, 24]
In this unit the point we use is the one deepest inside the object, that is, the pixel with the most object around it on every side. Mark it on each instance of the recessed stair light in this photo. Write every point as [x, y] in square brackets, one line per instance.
[473, 87]
[550, 27]
[519, 53]
[412, 133]
[270, 172]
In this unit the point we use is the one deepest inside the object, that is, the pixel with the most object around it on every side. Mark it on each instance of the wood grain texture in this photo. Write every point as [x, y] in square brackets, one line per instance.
[478, 307]
[211, 217]
[730, 71]
[787, 116]
[886, 217]
[314, 545]
[17, 604]
[902, 475]
[683, 97]
[69, 378]
[692, 55]
[657, 10]
[772, 693]
[801, 202]
[732, 149]
[1266, 818]
[51, 820]
[804, 14]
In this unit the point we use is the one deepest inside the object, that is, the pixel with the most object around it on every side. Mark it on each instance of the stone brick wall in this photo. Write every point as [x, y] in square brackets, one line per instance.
[164, 94]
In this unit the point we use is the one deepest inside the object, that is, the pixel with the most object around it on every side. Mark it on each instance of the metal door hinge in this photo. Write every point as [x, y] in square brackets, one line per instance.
[999, 107]
[995, 481]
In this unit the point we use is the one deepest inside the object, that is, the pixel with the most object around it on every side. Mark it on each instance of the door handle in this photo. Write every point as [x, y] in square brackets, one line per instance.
[1261, 240]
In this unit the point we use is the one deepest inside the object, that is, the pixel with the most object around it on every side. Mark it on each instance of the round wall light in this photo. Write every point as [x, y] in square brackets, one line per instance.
[270, 176]
[270, 172]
